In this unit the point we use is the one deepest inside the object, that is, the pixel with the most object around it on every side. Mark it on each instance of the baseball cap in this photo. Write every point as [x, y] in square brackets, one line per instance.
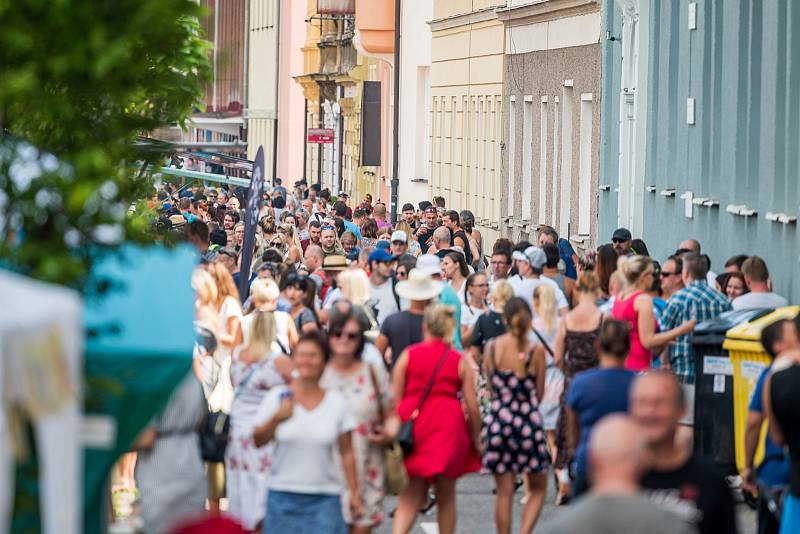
[533, 255]
[380, 254]
[343, 194]
[621, 234]
[382, 244]
[399, 235]
[407, 207]
[429, 263]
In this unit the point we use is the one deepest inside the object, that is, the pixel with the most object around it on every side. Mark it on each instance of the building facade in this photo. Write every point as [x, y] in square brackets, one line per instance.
[222, 120]
[552, 119]
[466, 109]
[415, 101]
[699, 130]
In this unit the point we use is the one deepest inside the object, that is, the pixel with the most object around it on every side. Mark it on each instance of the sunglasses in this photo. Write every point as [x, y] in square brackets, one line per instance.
[349, 336]
[479, 285]
[401, 274]
[328, 227]
[664, 274]
[276, 244]
[617, 240]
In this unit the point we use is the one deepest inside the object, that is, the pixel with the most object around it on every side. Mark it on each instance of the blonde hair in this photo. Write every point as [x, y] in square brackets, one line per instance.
[262, 334]
[502, 292]
[632, 268]
[354, 284]
[440, 321]
[546, 310]
[405, 227]
[588, 282]
[224, 283]
[264, 291]
[205, 288]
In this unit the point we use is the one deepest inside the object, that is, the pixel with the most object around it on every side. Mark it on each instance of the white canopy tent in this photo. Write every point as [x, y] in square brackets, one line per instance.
[41, 348]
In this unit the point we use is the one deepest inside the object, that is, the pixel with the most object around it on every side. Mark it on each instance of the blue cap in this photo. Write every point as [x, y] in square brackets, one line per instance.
[382, 244]
[380, 254]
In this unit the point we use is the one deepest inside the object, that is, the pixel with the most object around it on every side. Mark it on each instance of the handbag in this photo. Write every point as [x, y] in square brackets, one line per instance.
[405, 438]
[217, 424]
[396, 478]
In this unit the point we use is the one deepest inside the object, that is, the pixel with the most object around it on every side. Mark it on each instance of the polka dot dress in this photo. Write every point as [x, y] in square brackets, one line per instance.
[512, 431]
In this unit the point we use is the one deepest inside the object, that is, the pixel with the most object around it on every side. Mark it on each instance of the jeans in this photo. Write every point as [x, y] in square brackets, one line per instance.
[300, 513]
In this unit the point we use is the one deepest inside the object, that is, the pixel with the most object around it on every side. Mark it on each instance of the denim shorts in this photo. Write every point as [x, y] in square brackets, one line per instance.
[301, 513]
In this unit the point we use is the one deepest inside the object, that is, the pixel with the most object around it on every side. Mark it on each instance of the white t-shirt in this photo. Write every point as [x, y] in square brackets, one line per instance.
[470, 314]
[750, 301]
[304, 460]
[524, 288]
[383, 297]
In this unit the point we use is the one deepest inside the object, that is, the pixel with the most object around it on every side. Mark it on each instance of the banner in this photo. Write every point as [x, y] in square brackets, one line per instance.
[253, 208]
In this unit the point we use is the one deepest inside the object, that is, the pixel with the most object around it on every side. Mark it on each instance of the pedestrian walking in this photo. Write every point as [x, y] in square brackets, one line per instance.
[300, 292]
[265, 295]
[678, 480]
[256, 368]
[513, 435]
[698, 302]
[635, 307]
[760, 294]
[596, 393]
[575, 351]
[530, 265]
[367, 391]
[618, 455]
[476, 290]
[308, 425]
[445, 444]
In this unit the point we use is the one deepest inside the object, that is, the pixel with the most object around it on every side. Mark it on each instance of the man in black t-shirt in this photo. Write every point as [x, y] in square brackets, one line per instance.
[678, 480]
[458, 238]
[402, 329]
[425, 232]
[781, 399]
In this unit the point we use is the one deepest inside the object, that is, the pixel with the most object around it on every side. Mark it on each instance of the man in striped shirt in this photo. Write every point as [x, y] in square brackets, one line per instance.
[699, 301]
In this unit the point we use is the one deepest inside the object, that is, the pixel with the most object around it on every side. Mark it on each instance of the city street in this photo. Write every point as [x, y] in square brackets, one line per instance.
[476, 510]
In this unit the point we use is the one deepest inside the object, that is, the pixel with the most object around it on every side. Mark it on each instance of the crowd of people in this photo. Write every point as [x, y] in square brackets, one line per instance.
[519, 360]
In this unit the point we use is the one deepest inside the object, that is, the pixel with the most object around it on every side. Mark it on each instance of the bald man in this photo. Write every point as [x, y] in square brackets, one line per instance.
[618, 457]
[678, 480]
[693, 245]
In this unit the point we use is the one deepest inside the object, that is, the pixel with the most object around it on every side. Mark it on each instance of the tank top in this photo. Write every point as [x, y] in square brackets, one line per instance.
[467, 249]
[639, 358]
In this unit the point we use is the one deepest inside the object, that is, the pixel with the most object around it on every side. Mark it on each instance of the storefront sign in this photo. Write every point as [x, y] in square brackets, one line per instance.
[320, 135]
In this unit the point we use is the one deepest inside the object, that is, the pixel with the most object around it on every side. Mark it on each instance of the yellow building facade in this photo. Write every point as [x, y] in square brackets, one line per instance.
[467, 55]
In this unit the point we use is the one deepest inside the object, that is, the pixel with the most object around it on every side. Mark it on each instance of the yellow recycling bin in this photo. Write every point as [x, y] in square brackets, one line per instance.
[749, 359]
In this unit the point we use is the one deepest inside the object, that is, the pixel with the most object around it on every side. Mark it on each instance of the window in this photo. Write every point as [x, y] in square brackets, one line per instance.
[422, 151]
[543, 160]
[512, 152]
[527, 157]
[553, 186]
[585, 166]
[565, 191]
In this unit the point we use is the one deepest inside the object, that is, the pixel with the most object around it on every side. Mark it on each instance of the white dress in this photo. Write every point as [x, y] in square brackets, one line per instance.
[554, 378]
[222, 393]
[282, 319]
[247, 466]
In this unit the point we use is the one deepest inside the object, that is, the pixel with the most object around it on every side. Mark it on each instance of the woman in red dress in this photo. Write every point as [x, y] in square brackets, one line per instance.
[446, 443]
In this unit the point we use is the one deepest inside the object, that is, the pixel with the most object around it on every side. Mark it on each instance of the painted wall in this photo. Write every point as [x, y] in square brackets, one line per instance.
[552, 119]
[262, 80]
[466, 110]
[291, 103]
[415, 121]
[743, 72]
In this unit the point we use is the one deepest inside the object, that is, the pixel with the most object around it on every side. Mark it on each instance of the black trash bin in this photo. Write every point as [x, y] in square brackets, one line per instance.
[713, 397]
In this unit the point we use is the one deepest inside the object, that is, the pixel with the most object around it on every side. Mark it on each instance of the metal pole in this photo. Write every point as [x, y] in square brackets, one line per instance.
[305, 141]
[395, 183]
[321, 121]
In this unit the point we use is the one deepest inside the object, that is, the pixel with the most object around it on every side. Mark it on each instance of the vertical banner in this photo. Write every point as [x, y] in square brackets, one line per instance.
[254, 194]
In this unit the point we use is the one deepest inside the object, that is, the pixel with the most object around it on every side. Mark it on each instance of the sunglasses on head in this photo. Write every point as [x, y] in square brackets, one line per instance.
[328, 227]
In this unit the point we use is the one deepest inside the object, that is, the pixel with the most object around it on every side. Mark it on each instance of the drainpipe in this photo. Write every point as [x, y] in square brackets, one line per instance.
[277, 90]
[305, 140]
[321, 121]
[395, 183]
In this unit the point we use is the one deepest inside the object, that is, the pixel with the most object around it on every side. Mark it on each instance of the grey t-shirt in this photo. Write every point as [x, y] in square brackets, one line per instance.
[382, 297]
[615, 514]
[751, 301]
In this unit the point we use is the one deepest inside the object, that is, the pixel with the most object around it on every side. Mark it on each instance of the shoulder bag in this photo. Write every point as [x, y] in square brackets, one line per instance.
[396, 478]
[215, 427]
[406, 435]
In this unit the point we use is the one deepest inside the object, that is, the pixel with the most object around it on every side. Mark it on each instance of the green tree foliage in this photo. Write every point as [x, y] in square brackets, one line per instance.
[79, 80]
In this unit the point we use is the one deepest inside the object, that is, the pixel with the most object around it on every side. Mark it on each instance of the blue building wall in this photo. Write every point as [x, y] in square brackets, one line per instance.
[609, 122]
[742, 65]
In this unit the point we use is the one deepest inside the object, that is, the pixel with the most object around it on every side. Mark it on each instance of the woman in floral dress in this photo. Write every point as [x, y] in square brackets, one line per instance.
[513, 437]
[353, 378]
[255, 369]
